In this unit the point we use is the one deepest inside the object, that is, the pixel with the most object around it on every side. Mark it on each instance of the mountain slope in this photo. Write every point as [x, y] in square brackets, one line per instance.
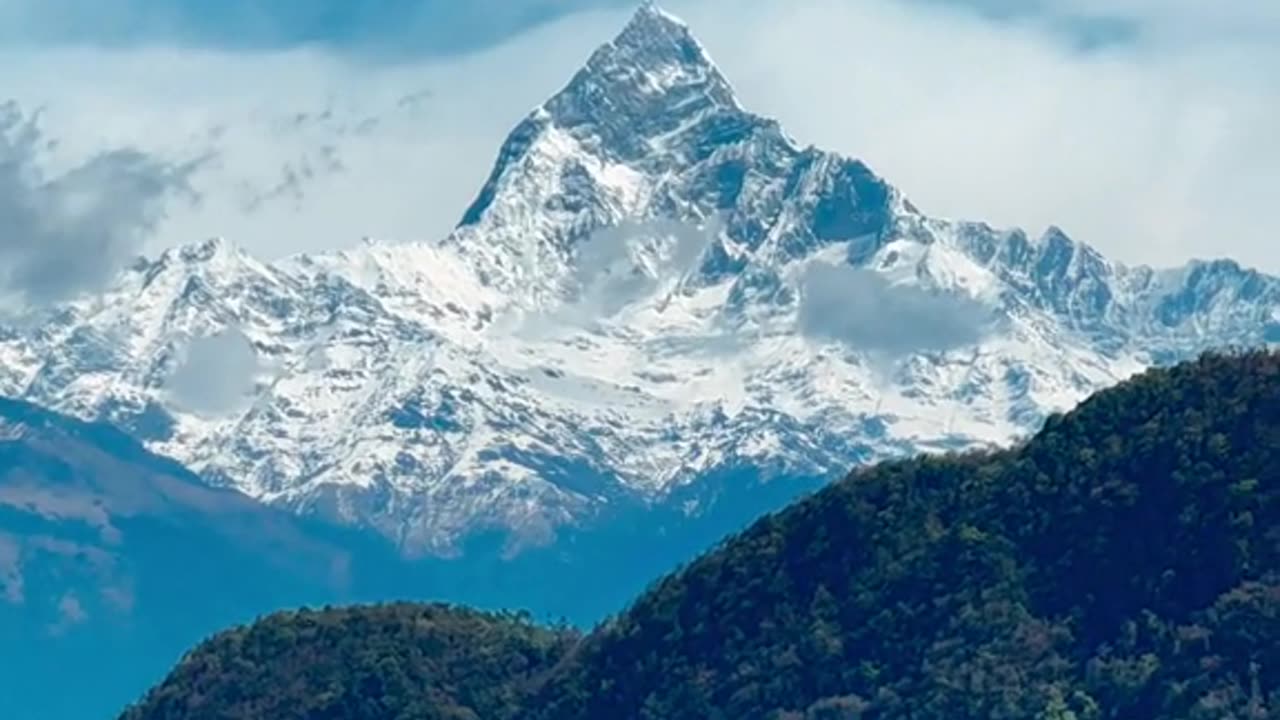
[1120, 564]
[655, 290]
[112, 560]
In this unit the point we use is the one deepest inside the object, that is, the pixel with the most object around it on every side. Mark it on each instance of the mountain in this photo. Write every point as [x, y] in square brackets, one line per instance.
[113, 560]
[1122, 563]
[659, 312]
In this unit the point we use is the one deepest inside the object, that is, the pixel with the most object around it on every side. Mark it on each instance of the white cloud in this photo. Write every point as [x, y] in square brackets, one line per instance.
[1155, 150]
[216, 375]
[862, 309]
[621, 264]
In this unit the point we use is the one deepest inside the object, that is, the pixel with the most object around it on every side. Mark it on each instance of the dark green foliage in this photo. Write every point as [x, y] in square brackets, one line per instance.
[389, 662]
[1122, 564]
[1089, 573]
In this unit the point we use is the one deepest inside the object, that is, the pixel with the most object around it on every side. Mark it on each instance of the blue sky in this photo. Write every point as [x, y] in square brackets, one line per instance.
[1144, 127]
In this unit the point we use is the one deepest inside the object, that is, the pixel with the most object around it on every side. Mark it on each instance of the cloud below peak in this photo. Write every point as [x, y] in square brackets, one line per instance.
[216, 374]
[861, 309]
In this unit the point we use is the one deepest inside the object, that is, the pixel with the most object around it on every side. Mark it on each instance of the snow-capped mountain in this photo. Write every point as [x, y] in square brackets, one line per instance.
[654, 286]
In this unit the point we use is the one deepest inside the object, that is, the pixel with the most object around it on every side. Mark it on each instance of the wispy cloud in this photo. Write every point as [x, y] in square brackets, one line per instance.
[71, 613]
[11, 582]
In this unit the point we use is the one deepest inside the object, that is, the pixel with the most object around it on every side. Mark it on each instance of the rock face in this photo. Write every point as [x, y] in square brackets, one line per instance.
[657, 301]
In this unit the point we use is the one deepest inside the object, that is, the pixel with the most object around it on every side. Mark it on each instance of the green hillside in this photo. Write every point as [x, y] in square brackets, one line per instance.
[1121, 564]
[387, 662]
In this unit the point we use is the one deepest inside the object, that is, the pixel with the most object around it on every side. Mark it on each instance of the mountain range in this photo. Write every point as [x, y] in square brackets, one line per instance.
[661, 318]
[655, 288]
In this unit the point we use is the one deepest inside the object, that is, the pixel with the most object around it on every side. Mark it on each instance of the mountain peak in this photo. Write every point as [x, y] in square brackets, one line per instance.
[650, 18]
[652, 74]
[652, 81]
[205, 251]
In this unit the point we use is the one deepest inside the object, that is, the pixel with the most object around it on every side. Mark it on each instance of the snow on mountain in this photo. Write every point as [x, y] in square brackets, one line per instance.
[654, 285]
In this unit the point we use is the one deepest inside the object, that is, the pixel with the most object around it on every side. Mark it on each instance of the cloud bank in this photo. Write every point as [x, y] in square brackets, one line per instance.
[67, 233]
[1142, 127]
[1155, 146]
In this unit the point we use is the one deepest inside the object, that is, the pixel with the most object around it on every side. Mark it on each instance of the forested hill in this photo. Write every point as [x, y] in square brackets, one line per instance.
[390, 662]
[1121, 564]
